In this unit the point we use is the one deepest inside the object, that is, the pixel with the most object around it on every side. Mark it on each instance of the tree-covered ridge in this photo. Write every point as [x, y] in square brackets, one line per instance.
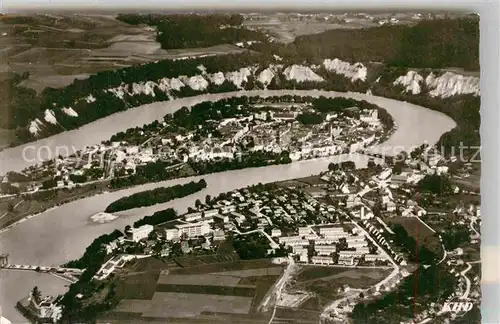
[106, 103]
[195, 30]
[437, 43]
[18, 104]
[424, 286]
[464, 109]
[159, 217]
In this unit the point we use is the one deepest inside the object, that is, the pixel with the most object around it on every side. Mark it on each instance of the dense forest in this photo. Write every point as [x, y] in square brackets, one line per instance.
[416, 252]
[195, 30]
[18, 105]
[155, 196]
[435, 284]
[437, 43]
[150, 172]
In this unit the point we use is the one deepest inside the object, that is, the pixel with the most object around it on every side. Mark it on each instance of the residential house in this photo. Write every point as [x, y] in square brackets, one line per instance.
[324, 260]
[275, 232]
[325, 249]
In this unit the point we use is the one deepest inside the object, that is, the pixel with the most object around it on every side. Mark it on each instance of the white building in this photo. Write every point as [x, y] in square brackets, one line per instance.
[327, 260]
[275, 232]
[192, 217]
[211, 212]
[132, 150]
[390, 206]
[189, 229]
[346, 260]
[355, 239]
[141, 232]
[370, 117]
[356, 253]
[293, 241]
[228, 209]
[117, 262]
[303, 231]
[375, 257]
[325, 249]
[325, 241]
[357, 244]
[331, 231]
[302, 253]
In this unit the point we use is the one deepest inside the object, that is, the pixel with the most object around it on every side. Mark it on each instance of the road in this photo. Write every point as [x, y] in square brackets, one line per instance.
[421, 221]
[466, 293]
[445, 253]
[333, 306]
[472, 222]
[281, 284]
[273, 244]
[15, 206]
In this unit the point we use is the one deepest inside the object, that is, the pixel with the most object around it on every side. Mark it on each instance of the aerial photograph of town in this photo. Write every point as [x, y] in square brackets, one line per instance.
[240, 167]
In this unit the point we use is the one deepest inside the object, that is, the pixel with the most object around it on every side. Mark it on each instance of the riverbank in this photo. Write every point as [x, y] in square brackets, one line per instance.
[431, 124]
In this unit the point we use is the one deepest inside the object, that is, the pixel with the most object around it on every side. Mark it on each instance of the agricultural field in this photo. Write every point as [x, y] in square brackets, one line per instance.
[286, 27]
[205, 292]
[313, 272]
[55, 50]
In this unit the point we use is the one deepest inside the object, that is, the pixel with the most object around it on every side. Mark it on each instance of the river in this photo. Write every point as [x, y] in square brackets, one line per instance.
[62, 234]
[416, 125]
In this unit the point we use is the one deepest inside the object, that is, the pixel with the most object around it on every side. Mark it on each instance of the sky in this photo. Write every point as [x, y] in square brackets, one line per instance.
[257, 5]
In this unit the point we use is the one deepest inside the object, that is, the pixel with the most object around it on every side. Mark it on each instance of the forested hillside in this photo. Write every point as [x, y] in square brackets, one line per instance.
[401, 48]
[430, 43]
[195, 30]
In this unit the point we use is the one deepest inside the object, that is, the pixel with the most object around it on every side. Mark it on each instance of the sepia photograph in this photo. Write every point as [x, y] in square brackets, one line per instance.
[239, 166]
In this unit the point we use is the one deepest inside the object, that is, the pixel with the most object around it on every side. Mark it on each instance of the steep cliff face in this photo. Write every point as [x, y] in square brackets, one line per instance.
[301, 73]
[356, 71]
[217, 78]
[197, 82]
[411, 82]
[70, 112]
[35, 126]
[50, 117]
[238, 77]
[266, 76]
[450, 84]
[443, 86]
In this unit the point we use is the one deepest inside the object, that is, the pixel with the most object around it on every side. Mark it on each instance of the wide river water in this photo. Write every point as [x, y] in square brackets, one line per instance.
[62, 234]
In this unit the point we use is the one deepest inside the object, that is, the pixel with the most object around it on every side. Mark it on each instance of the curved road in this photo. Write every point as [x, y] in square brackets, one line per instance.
[62, 234]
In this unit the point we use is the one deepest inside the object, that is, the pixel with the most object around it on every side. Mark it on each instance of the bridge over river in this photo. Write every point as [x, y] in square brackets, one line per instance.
[5, 265]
